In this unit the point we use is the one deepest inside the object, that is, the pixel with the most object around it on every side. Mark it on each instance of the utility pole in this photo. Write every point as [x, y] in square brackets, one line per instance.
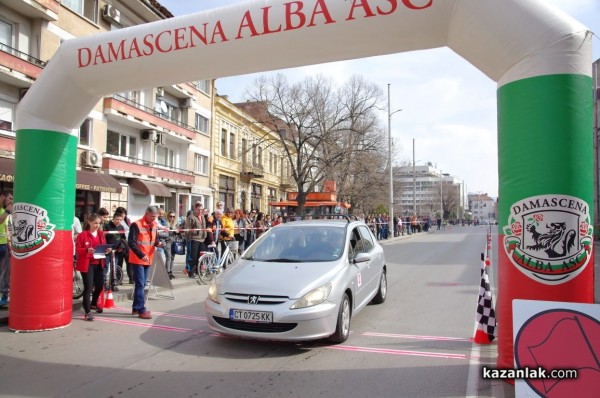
[391, 199]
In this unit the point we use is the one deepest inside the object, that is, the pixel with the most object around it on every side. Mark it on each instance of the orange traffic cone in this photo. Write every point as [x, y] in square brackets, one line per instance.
[109, 302]
[100, 302]
[482, 337]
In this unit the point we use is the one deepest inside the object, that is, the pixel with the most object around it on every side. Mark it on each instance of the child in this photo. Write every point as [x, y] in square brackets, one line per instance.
[90, 267]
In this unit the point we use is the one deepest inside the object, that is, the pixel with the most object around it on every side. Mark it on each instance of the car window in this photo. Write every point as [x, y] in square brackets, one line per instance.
[367, 239]
[356, 244]
[298, 243]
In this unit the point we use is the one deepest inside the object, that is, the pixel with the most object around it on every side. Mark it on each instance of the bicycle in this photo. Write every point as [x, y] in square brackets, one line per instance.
[77, 284]
[210, 264]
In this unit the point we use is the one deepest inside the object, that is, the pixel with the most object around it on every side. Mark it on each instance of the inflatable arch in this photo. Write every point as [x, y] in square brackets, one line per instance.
[540, 58]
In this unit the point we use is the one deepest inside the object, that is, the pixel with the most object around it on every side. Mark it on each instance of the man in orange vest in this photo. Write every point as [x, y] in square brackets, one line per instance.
[143, 241]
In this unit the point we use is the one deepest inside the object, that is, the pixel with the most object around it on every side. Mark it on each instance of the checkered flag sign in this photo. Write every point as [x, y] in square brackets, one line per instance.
[486, 316]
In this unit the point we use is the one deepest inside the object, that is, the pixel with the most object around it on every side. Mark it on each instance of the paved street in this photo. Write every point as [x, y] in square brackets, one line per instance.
[416, 344]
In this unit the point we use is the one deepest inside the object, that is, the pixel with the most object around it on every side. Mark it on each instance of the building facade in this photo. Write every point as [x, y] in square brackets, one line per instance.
[424, 190]
[249, 163]
[482, 207]
[159, 145]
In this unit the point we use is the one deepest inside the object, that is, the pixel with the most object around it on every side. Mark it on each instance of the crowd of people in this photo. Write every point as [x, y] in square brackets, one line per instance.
[134, 244]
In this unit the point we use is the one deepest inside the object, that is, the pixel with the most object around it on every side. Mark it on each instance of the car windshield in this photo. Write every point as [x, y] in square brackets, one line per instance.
[299, 243]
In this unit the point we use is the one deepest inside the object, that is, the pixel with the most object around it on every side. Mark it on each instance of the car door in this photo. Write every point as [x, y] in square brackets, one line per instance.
[372, 269]
[361, 269]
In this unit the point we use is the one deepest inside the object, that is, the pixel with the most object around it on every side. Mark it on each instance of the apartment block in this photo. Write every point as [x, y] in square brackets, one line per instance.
[157, 145]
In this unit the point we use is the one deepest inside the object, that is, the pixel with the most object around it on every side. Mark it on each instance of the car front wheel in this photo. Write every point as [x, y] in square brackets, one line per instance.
[342, 330]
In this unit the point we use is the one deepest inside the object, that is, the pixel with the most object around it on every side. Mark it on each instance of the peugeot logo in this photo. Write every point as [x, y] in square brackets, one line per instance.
[253, 299]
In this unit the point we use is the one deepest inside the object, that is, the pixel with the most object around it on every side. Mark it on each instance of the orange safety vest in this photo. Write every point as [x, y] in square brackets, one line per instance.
[145, 241]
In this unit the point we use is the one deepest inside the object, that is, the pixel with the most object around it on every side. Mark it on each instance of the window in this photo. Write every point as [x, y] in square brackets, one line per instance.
[367, 238]
[201, 123]
[133, 96]
[85, 8]
[85, 132]
[255, 196]
[164, 156]
[204, 86]
[258, 160]
[120, 145]
[232, 145]
[201, 164]
[6, 115]
[227, 190]
[244, 150]
[6, 35]
[273, 163]
[223, 142]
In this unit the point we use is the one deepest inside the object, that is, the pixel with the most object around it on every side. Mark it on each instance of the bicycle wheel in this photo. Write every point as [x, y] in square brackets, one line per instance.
[205, 265]
[229, 260]
[118, 276]
[77, 285]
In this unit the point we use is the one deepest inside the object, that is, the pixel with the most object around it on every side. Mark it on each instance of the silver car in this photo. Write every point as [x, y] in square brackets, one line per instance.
[301, 280]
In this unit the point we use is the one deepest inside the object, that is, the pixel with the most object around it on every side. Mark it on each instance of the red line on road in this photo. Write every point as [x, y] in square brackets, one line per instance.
[197, 318]
[414, 337]
[144, 325]
[402, 352]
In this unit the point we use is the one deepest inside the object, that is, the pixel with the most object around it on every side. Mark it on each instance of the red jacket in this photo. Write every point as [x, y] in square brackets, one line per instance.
[84, 241]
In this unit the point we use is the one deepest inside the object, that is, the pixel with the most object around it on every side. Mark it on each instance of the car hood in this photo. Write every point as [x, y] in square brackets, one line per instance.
[291, 280]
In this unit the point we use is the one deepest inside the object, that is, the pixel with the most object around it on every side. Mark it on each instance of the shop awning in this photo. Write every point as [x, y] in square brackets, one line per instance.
[150, 187]
[85, 180]
[96, 181]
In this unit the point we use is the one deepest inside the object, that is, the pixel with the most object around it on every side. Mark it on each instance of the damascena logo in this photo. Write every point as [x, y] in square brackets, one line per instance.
[32, 230]
[549, 237]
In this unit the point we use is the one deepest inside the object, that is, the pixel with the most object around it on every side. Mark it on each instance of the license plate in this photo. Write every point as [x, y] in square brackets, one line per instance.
[250, 316]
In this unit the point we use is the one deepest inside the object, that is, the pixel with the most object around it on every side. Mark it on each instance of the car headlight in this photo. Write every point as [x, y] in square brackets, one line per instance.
[314, 297]
[212, 292]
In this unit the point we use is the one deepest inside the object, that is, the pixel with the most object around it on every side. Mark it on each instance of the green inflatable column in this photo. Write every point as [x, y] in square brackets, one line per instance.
[42, 258]
[546, 195]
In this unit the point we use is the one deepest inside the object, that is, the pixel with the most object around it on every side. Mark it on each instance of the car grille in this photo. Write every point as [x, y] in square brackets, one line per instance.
[265, 300]
[255, 327]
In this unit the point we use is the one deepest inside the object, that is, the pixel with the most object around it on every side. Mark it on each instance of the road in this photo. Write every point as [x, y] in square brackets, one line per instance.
[416, 344]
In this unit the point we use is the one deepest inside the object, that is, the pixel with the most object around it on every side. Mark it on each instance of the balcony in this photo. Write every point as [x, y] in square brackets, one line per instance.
[252, 170]
[287, 183]
[22, 69]
[134, 167]
[44, 9]
[126, 111]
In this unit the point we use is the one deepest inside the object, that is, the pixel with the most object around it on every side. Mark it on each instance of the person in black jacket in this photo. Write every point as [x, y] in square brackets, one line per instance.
[115, 236]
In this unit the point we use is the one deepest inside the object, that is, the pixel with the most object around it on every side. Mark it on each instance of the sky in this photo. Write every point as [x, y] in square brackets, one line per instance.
[448, 107]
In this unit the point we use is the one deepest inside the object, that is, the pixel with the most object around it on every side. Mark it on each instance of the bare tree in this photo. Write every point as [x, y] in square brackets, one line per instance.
[324, 131]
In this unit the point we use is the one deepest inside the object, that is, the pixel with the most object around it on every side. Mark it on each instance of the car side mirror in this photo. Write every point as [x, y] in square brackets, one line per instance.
[362, 258]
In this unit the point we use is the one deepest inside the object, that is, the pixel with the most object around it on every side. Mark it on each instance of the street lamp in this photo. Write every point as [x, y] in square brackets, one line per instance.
[414, 183]
[391, 218]
[441, 196]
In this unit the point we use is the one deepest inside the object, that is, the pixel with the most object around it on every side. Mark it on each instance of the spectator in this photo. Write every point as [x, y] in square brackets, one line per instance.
[240, 229]
[6, 209]
[173, 233]
[259, 224]
[142, 241]
[195, 223]
[166, 237]
[118, 239]
[126, 223]
[90, 266]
